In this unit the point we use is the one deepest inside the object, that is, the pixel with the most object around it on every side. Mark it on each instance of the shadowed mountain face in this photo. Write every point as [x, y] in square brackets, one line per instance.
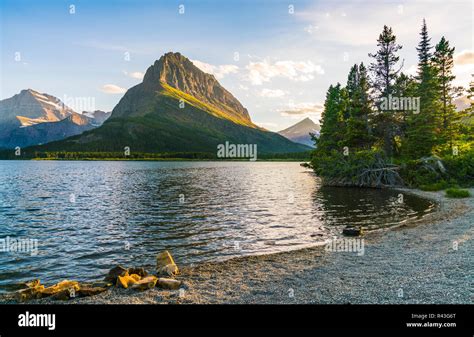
[300, 132]
[31, 118]
[178, 108]
[48, 132]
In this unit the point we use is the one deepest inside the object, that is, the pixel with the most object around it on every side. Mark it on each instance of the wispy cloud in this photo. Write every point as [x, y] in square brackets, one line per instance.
[135, 74]
[103, 46]
[311, 29]
[272, 93]
[301, 110]
[463, 68]
[264, 71]
[218, 71]
[113, 89]
[353, 24]
[130, 47]
[465, 57]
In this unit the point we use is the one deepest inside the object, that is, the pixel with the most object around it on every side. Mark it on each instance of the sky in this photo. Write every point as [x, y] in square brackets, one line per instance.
[276, 57]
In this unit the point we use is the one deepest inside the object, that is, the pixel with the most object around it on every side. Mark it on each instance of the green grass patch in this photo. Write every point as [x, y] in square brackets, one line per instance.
[457, 193]
[438, 186]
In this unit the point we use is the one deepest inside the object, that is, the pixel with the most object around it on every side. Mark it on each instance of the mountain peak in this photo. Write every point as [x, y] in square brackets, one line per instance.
[300, 132]
[177, 71]
[28, 92]
[35, 93]
[173, 56]
[30, 107]
[151, 116]
[31, 117]
[170, 68]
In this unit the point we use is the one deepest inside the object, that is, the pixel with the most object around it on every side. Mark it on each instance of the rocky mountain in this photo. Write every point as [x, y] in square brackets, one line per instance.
[31, 118]
[178, 72]
[29, 107]
[300, 132]
[47, 132]
[177, 108]
[98, 116]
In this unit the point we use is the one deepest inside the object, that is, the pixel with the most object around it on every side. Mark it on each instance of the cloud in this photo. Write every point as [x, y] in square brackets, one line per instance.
[310, 29]
[103, 46]
[353, 24]
[264, 71]
[333, 26]
[300, 110]
[464, 58]
[411, 70]
[135, 74]
[113, 89]
[218, 71]
[463, 68]
[270, 93]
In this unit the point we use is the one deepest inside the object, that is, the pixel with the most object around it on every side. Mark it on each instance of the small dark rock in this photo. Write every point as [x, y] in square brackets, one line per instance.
[114, 273]
[101, 284]
[352, 231]
[140, 271]
[90, 291]
[318, 234]
[62, 295]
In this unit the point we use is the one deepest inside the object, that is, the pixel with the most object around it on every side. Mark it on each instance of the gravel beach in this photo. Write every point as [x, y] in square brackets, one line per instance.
[430, 260]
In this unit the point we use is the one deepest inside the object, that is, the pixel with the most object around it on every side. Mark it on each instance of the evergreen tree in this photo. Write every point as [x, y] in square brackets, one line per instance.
[384, 74]
[447, 121]
[332, 120]
[466, 117]
[421, 126]
[420, 117]
[470, 95]
[424, 50]
[404, 87]
[358, 132]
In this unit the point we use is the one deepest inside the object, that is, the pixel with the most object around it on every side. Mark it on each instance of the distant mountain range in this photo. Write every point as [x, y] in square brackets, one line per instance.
[32, 118]
[177, 108]
[300, 132]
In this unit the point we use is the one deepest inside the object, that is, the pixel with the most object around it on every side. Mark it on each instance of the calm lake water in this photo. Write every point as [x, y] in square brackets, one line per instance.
[90, 216]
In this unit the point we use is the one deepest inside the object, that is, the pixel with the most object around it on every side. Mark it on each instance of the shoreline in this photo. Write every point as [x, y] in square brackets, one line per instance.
[413, 262]
[159, 160]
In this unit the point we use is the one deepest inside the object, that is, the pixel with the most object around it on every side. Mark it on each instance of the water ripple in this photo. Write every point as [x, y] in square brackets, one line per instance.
[89, 216]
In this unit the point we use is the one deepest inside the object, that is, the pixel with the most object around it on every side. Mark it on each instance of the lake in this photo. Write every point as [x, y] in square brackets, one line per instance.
[87, 216]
